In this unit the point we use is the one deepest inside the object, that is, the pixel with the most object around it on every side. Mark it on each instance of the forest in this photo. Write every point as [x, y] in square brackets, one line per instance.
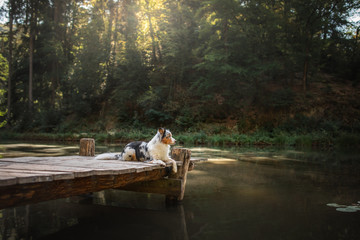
[219, 71]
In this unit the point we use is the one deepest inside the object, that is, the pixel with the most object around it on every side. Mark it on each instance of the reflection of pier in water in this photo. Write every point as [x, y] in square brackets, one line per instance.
[79, 218]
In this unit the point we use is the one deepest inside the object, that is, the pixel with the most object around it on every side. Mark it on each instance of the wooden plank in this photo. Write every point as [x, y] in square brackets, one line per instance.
[26, 177]
[7, 180]
[104, 167]
[77, 172]
[95, 163]
[162, 186]
[26, 173]
[37, 159]
[20, 159]
[90, 160]
[21, 194]
[78, 166]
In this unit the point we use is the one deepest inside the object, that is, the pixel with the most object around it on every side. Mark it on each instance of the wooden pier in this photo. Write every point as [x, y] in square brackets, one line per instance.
[28, 180]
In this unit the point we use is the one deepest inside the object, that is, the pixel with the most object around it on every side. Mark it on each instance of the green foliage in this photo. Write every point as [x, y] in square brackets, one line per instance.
[48, 120]
[281, 99]
[186, 119]
[347, 140]
[304, 141]
[301, 123]
[4, 71]
[180, 64]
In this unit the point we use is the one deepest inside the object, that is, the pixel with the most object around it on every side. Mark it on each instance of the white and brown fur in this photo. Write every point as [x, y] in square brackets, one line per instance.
[156, 151]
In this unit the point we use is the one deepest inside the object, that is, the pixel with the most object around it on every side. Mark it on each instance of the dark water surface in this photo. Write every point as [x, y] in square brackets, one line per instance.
[241, 193]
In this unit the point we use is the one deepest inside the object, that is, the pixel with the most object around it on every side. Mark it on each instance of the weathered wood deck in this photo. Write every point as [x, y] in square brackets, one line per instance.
[33, 179]
[24, 170]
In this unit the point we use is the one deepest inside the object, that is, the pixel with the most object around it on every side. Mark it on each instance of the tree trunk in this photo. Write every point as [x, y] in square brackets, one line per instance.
[151, 30]
[152, 40]
[305, 73]
[57, 18]
[110, 60]
[225, 34]
[31, 57]
[31, 53]
[306, 63]
[11, 36]
[117, 25]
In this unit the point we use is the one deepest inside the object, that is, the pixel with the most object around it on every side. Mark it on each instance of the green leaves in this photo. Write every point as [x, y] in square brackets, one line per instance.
[4, 71]
[175, 61]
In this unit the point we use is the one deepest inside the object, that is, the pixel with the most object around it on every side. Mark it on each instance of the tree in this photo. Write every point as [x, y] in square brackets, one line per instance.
[11, 6]
[315, 20]
[32, 8]
[4, 71]
[168, 61]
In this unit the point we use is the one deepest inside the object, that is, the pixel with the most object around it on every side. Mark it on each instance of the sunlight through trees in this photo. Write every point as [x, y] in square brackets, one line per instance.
[169, 62]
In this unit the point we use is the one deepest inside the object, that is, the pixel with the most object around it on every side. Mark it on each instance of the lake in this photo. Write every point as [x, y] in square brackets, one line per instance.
[240, 193]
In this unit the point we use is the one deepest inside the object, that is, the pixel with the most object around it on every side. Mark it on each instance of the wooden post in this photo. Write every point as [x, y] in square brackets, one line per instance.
[182, 155]
[174, 185]
[87, 147]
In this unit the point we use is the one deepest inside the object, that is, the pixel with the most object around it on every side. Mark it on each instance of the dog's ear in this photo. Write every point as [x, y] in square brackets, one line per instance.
[161, 130]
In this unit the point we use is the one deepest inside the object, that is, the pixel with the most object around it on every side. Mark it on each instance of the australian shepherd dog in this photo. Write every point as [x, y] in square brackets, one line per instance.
[156, 151]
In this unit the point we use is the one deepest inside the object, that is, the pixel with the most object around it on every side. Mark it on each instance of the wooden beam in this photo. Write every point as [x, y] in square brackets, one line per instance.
[183, 155]
[22, 194]
[173, 186]
[162, 186]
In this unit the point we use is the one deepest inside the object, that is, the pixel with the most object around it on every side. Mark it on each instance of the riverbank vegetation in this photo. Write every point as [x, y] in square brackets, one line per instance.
[319, 139]
[214, 72]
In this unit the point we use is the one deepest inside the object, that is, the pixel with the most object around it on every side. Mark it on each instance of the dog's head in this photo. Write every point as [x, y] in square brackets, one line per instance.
[166, 136]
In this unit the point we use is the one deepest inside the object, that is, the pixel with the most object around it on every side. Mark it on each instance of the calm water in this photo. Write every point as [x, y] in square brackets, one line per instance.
[241, 193]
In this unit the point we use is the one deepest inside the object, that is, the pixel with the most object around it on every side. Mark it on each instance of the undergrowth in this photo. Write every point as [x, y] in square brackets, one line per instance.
[274, 138]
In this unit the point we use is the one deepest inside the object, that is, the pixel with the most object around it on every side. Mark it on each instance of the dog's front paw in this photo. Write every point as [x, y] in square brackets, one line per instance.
[161, 163]
[174, 167]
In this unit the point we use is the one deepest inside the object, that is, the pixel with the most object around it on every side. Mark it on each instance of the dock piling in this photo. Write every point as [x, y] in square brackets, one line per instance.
[87, 147]
[173, 187]
[181, 155]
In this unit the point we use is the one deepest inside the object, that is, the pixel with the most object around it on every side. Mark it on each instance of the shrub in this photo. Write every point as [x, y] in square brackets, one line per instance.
[199, 138]
[279, 99]
[348, 140]
[280, 140]
[304, 141]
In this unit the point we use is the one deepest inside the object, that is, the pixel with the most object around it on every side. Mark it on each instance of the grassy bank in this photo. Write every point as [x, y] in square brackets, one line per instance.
[259, 138]
[322, 139]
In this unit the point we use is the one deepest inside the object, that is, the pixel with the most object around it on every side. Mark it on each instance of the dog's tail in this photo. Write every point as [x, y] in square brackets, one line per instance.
[109, 156]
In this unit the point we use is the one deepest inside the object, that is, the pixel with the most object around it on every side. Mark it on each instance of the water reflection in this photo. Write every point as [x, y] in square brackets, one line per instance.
[29, 149]
[79, 218]
[15, 149]
[278, 197]
[241, 193]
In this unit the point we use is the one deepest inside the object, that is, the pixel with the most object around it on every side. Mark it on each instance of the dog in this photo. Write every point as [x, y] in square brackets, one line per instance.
[156, 151]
